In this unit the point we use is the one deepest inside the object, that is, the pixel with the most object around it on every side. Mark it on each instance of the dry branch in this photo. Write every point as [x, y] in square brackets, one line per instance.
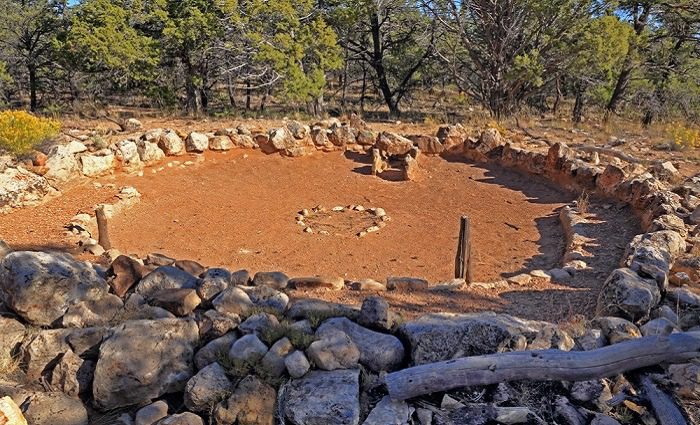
[543, 365]
[611, 152]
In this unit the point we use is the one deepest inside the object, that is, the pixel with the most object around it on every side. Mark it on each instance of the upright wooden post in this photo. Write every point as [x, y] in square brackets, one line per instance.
[102, 228]
[463, 269]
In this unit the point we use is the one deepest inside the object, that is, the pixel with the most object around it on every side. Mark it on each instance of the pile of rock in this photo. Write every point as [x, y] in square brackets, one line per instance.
[309, 219]
[236, 350]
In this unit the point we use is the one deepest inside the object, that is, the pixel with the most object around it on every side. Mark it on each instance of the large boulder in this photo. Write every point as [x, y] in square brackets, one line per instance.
[143, 360]
[129, 154]
[149, 152]
[209, 386]
[19, 187]
[54, 409]
[166, 277]
[61, 165]
[41, 286]
[171, 143]
[197, 142]
[445, 336]
[284, 141]
[655, 252]
[628, 295]
[392, 144]
[333, 350]
[252, 403]
[378, 351]
[329, 398]
[94, 165]
[41, 352]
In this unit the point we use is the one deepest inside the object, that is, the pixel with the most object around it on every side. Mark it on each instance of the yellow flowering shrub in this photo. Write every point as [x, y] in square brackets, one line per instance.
[683, 137]
[20, 131]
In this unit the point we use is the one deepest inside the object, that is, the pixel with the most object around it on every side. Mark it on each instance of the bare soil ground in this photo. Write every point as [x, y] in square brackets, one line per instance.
[238, 210]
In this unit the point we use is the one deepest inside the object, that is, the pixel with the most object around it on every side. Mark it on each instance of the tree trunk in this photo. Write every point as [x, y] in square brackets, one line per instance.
[193, 100]
[32, 88]
[378, 65]
[231, 93]
[248, 93]
[640, 23]
[578, 106]
[363, 92]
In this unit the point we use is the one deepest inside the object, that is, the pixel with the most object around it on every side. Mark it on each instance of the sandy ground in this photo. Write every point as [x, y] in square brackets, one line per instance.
[238, 210]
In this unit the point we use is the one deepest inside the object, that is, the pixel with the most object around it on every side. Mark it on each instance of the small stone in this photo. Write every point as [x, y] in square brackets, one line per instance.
[660, 326]
[367, 285]
[248, 349]
[54, 409]
[338, 209]
[233, 300]
[406, 284]
[214, 350]
[209, 386]
[560, 275]
[389, 411]
[258, 323]
[275, 280]
[180, 302]
[274, 361]
[187, 418]
[617, 329]
[379, 212]
[335, 350]
[520, 280]
[375, 313]
[311, 283]
[152, 413]
[252, 403]
[308, 230]
[297, 365]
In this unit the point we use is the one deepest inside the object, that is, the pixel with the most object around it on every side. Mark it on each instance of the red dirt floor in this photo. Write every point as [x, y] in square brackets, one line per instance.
[238, 210]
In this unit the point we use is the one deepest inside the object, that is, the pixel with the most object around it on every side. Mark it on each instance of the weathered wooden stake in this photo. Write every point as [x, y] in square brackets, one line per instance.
[102, 229]
[463, 269]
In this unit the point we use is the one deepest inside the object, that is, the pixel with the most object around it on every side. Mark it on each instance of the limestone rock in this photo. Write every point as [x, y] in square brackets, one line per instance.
[196, 142]
[392, 144]
[379, 352]
[40, 286]
[214, 350]
[307, 308]
[247, 349]
[162, 367]
[617, 329]
[445, 336]
[129, 155]
[628, 295]
[149, 152]
[687, 378]
[267, 298]
[410, 169]
[89, 313]
[214, 324]
[165, 277]
[213, 282]
[61, 164]
[125, 272]
[152, 413]
[273, 361]
[389, 412]
[72, 375]
[375, 313]
[233, 300]
[220, 143]
[660, 326]
[427, 144]
[275, 280]
[19, 187]
[94, 165]
[43, 350]
[179, 301]
[311, 283]
[54, 409]
[257, 323]
[656, 250]
[452, 136]
[209, 386]
[187, 418]
[367, 285]
[132, 124]
[243, 141]
[297, 364]
[171, 143]
[11, 336]
[320, 397]
[406, 283]
[252, 403]
[76, 147]
[333, 350]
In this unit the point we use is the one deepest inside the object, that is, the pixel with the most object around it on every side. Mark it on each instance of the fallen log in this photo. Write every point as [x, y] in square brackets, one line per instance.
[611, 152]
[664, 406]
[543, 365]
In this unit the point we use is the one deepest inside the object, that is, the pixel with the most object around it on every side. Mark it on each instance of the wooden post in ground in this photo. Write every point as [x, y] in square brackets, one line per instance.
[463, 266]
[102, 228]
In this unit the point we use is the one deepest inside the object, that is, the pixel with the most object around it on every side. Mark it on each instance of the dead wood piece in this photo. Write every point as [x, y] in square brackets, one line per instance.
[543, 365]
[664, 406]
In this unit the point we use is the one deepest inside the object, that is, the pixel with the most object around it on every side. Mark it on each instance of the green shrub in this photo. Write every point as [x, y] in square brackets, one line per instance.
[20, 132]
